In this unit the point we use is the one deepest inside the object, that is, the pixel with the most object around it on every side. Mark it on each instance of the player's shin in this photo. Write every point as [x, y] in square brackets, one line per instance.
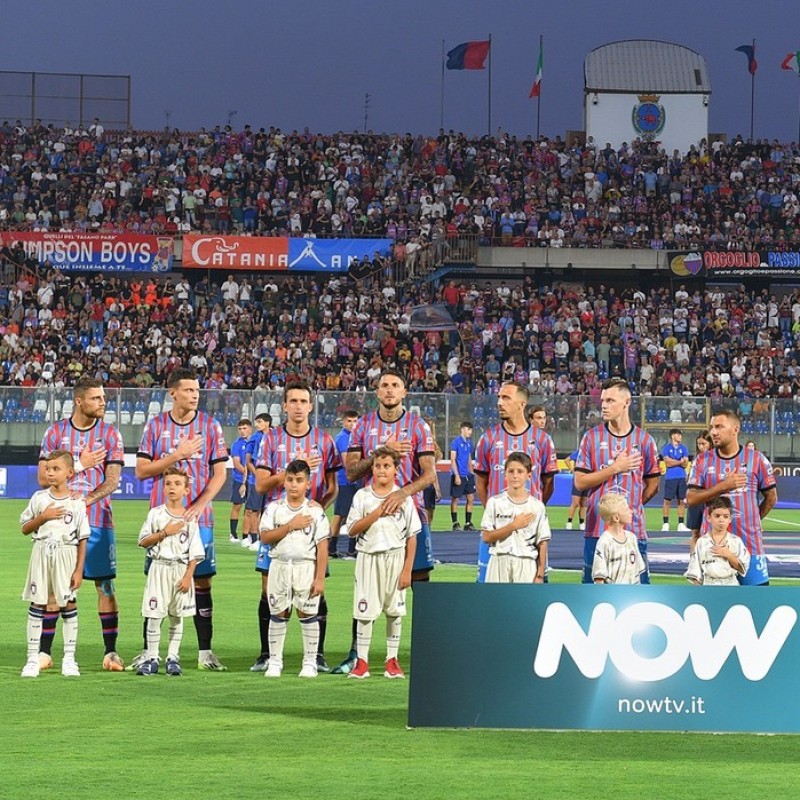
[394, 627]
[175, 637]
[364, 638]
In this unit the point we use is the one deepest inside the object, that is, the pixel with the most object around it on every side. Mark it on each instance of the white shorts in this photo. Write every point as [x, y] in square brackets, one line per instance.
[377, 576]
[290, 585]
[510, 569]
[161, 595]
[50, 573]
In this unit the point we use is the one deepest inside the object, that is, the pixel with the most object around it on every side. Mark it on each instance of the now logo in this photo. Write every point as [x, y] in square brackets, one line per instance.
[612, 636]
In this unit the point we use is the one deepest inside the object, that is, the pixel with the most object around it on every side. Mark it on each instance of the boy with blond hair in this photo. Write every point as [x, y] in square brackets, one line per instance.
[617, 558]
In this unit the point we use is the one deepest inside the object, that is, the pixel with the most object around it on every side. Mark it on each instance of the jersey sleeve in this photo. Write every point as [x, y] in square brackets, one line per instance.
[196, 550]
[483, 454]
[599, 563]
[423, 438]
[147, 526]
[356, 508]
[413, 522]
[543, 532]
[332, 461]
[147, 447]
[114, 446]
[650, 464]
[262, 457]
[357, 437]
[83, 521]
[217, 449]
[743, 554]
[548, 457]
[693, 572]
[49, 442]
[268, 518]
[322, 528]
[31, 510]
[488, 521]
[697, 472]
[585, 462]
[764, 476]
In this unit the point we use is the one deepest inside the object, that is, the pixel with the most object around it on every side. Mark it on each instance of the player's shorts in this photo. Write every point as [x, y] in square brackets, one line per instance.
[254, 501]
[483, 560]
[694, 517]
[101, 555]
[290, 585]
[376, 589]
[506, 568]
[50, 573]
[208, 566]
[263, 560]
[757, 573]
[236, 496]
[344, 499]
[161, 595]
[590, 545]
[675, 489]
[429, 497]
[423, 558]
[576, 492]
[467, 486]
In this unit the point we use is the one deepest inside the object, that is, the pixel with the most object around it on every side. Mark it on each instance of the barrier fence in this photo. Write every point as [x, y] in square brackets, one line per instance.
[25, 413]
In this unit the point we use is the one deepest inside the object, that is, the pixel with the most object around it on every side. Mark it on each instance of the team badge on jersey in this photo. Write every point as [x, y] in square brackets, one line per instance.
[153, 603]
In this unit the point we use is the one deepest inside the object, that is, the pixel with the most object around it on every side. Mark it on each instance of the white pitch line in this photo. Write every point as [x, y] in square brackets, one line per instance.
[782, 521]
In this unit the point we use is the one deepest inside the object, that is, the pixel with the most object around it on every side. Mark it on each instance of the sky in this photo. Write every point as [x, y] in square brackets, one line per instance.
[311, 64]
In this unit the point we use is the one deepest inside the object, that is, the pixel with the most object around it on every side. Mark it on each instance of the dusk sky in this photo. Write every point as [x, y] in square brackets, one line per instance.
[311, 63]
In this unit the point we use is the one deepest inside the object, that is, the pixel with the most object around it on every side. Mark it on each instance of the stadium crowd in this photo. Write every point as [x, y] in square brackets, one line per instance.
[419, 191]
[338, 333]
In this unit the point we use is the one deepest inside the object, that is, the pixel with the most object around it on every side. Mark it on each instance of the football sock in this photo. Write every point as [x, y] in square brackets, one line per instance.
[144, 634]
[666, 520]
[333, 542]
[70, 618]
[263, 624]
[234, 526]
[202, 618]
[394, 626]
[454, 517]
[109, 624]
[364, 638]
[351, 546]
[277, 637]
[35, 617]
[469, 517]
[48, 631]
[680, 520]
[354, 636]
[309, 628]
[175, 636]
[569, 519]
[322, 618]
[153, 637]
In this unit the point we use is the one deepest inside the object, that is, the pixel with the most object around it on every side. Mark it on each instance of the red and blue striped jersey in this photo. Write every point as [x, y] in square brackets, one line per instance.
[63, 435]
[371, 432]
[598, 448]
[497, 444]
[162, 435]
[710, 468]
[279, 448]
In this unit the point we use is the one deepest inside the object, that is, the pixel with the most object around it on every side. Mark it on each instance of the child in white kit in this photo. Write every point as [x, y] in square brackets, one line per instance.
[720, 557]
[617, 558]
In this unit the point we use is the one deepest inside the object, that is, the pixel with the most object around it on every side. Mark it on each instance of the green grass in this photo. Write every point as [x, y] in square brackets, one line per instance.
[239, 735]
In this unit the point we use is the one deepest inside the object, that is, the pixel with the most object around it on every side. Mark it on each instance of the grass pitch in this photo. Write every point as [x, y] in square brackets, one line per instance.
[239, 735]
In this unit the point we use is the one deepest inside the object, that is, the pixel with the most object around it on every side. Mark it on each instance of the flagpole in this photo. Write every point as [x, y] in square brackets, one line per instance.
[539, 96]
[490, 84]
[441, 101]
[752, 93]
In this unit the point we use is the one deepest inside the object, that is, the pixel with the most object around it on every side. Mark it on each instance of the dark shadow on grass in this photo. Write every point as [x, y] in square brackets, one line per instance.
[392, 718]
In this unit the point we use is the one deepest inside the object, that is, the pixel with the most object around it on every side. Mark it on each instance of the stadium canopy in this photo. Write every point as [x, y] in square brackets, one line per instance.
[637, 65]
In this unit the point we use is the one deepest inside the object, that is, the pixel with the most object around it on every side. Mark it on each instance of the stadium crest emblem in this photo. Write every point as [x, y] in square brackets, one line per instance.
[648, 117]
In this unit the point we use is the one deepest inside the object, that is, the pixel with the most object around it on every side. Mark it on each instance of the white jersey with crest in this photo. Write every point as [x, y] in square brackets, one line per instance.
[300, 545]
[712, 570]
[523, 543]
[66, 530]
[618, 562]
[182, 547]
[387, 533]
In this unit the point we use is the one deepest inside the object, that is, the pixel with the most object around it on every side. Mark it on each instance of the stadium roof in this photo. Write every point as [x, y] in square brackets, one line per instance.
[646, 65]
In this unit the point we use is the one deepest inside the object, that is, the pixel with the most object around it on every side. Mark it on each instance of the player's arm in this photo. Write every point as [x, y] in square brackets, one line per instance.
[185, 583]
[77, 575]
[482, 486]
[499, 534]
[249, 464]
[357, 467]
[211, 490]
[296, 523]
[110, 484]
[408, 562]
[698, 495]
[427, 466]
[770, 497]
[149, 467]
[331, 488]
[34, 523]
[671, 462]
[170, 529]
[363, 524]
[548, 485]
[454, 466]
[267, 481]
[321, 565]
[239, 467]
[650, 488]
[541, 564]
[624, 462]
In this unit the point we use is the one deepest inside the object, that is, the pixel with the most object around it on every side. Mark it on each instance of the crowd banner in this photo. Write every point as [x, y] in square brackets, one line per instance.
[733, 263]
[654, 658]
[97, 252]
[273, 254]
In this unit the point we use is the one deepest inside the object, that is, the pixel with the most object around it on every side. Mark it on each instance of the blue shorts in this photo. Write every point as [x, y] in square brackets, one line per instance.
[576, 492]
[254, 501]
[262, 558]
[423, 558]
[757, 573]
[590, 545]
[694, 517]
[483, 560]
[344, 499]
[236, 497]
[675, 489]
[467, 486]
[101, 555]
[207, 567]
[429, 497]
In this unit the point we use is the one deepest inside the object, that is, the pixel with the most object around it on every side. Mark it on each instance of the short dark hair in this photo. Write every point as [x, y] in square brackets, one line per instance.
[244, 421]
[467, 424]
[521, 389]
[84, 384]
[673, 431]
[394, 373]
[264, 417]
[729, 413]
[519, 458]
[301, 386]
[350, 413]
[720, 501]
[706, 436]
[180, 374]
[298, 467]
[617, 383]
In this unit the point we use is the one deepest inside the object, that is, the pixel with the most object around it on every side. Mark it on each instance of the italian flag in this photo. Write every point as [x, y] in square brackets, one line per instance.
[792, 62]
[537, 81]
